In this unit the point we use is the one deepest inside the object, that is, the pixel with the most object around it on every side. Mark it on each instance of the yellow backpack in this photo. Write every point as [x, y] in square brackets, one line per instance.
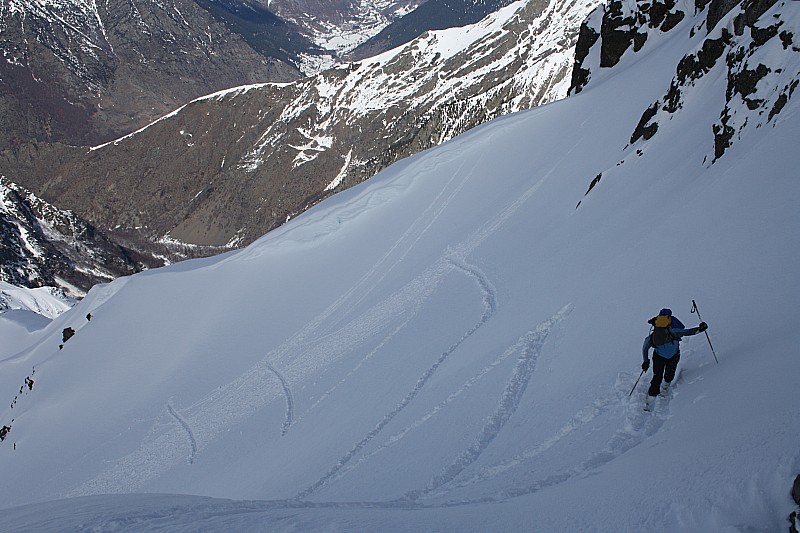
[662, 330]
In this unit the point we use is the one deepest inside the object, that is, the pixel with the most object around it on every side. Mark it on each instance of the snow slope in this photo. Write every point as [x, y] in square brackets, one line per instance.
[450, 346]
[25, 312]
[46, 301]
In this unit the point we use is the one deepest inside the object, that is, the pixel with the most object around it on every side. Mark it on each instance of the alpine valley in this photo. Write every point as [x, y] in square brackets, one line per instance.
[455, 343]
[226, 168]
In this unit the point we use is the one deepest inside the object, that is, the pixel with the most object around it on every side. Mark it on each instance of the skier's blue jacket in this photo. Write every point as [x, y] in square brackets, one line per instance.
[672, 348]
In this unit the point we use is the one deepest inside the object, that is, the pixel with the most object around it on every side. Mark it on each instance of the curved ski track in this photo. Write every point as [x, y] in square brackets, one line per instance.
[490, 305]
[187, 428]
[287, 392]
[321, 341]
[529, 348]
[636, 428]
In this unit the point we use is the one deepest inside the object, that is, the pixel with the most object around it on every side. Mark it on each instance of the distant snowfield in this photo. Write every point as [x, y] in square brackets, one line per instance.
[451, 345]
[48, 302]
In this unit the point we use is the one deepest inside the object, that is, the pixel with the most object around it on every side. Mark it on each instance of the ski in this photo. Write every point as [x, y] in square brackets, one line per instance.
[665, 394]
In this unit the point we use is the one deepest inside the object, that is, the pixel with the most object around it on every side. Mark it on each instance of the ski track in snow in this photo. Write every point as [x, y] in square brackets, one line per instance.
[637, 427]
[405, 244]
[378, 273]
[529, 348]
[287, 391]
[355, 369]
[397, 437]
[245, 395]
[322, 340]
[187, 428]
[490, 305]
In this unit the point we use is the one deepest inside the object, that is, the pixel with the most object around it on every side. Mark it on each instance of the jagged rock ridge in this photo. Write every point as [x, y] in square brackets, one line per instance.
[751, 45]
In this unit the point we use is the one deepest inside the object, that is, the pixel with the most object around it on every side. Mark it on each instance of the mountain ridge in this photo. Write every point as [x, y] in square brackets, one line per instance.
[318, 135]
[83, 73]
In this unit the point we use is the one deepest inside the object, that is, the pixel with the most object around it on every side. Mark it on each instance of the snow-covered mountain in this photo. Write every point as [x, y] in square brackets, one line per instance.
[48, 302]
[451, 345]
[228, 167]
[84, 72]
[430, 15]
[342, 25]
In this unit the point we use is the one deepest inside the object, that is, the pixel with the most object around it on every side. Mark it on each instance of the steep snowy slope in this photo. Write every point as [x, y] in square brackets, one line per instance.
[451, 345]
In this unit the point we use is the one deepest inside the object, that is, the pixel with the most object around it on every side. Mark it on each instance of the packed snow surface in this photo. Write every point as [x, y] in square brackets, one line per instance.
[450, 346]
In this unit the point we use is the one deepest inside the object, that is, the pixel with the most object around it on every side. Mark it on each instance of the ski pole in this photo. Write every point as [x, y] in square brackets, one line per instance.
[697, 311]
[637, 382]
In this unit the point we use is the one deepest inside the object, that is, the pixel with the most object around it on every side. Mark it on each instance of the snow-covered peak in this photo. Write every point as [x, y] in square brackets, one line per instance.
[46, 301]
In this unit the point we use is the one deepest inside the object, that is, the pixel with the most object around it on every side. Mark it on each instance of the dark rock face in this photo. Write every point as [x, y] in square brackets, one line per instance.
[41, 245]
[587, 37]
[69, 74]
[617, 27]
[265, 32]
[794, 517]
[716, 10]
[617, 34]
[644, 129]
[746, 78]
[744, 42]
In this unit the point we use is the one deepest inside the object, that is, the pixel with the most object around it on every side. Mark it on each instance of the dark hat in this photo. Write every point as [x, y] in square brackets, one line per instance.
[665, 312]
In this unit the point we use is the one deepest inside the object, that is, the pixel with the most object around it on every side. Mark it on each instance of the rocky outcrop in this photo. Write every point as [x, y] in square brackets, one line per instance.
[41, 245]
[749, 40]
[615, 28]
[794, 517]
[754, 53]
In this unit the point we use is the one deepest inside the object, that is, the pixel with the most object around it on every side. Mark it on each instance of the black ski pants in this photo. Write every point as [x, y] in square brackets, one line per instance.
[663, 369]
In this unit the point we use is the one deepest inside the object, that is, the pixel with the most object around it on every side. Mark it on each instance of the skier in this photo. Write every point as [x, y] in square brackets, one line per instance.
[665, 340]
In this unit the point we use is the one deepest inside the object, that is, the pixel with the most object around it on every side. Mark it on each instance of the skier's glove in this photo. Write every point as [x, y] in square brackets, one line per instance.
[703, 326]
[645, 365]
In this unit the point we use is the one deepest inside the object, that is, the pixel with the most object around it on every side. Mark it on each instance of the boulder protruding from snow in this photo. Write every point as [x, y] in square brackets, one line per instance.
[794, 517]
